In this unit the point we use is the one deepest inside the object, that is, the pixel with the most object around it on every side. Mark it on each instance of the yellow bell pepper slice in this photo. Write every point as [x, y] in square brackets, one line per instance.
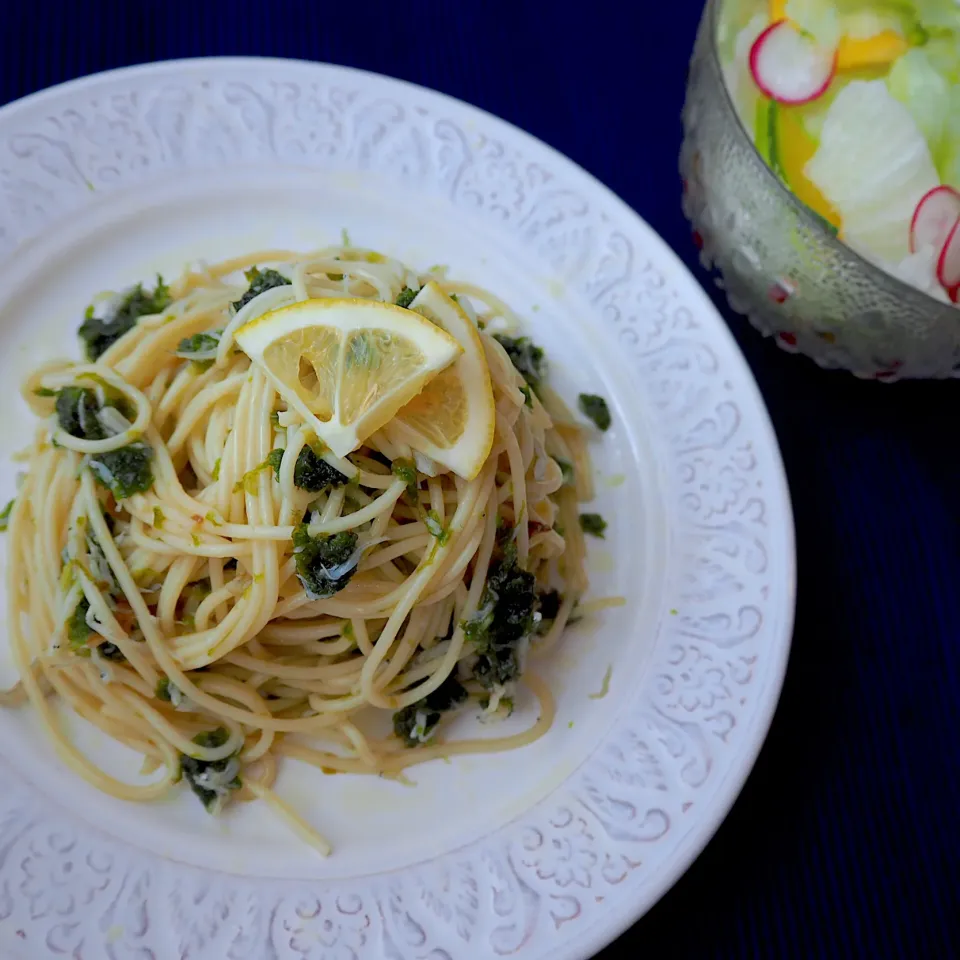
[877, 51]
[857, 54]
[793, 150]
[783, 142]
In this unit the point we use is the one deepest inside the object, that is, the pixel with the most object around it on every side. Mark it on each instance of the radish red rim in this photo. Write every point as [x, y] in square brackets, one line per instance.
[948, 265]
[789, 67]
[934, 218]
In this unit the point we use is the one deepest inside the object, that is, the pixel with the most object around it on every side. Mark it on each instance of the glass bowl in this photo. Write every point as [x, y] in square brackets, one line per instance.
[779, 265]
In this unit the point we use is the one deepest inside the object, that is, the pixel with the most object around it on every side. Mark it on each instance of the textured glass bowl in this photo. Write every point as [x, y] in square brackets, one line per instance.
[779, 266]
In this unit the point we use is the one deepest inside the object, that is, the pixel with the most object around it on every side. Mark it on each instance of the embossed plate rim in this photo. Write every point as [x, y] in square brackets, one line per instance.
[388, 906]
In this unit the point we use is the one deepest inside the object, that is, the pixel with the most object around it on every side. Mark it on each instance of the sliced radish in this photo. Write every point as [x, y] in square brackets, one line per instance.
[948, 266]
[934, 218]
[789, 67]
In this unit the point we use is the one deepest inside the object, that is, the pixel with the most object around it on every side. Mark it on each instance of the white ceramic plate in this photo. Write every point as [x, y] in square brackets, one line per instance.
[546, 852]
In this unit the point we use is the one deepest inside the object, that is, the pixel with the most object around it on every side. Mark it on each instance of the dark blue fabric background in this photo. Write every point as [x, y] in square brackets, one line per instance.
[845, 842]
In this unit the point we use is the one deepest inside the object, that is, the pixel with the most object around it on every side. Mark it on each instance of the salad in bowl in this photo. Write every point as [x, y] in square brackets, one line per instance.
[821, 175]
[855, 105]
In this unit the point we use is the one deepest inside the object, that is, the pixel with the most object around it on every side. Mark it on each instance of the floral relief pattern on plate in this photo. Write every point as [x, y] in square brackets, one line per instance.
[567, 874]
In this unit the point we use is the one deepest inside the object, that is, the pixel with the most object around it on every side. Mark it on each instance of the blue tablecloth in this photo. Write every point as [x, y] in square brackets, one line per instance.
[845, 842]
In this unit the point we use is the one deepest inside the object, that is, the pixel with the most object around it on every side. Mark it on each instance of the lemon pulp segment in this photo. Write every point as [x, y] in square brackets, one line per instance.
[347, 365]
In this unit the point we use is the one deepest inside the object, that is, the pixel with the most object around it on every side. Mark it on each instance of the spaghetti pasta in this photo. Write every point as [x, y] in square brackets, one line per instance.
[191, 573]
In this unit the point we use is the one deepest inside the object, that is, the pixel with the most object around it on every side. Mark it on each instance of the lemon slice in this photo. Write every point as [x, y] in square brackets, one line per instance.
[347, 365]
[452, 419]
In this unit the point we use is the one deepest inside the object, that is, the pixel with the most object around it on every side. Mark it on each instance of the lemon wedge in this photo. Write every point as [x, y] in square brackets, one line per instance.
[347, 365]
[452, 420]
